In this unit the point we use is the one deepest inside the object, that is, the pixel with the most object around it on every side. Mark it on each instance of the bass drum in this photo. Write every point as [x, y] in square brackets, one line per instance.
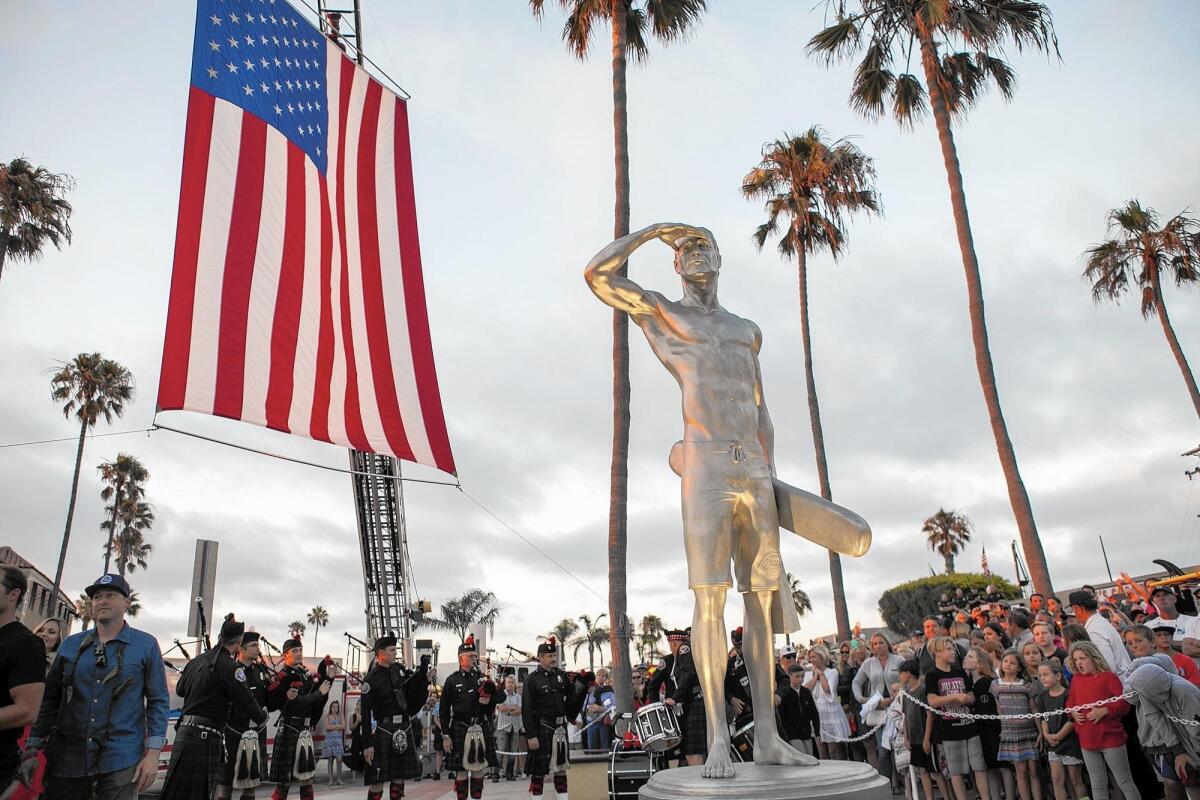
[742, 742]
[628, 771]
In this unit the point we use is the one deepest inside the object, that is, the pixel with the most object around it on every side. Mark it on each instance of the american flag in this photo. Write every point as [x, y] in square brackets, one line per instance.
[983, 562]
[297, 300]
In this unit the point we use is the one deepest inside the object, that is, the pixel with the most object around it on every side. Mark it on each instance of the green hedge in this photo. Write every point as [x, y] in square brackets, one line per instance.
[903, 607]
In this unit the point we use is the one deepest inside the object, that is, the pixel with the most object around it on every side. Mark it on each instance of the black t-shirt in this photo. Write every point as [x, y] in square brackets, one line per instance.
[946, 682]
[22, 661]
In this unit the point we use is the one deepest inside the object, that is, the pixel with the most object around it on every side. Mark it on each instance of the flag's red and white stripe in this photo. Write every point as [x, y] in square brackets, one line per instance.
[297, 300]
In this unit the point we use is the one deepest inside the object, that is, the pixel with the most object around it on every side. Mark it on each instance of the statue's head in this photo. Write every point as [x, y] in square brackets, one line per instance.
[697, 259]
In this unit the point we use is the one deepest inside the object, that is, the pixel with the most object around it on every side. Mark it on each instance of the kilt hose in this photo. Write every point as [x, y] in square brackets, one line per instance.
[386, 764]
[693, 728]
[283, 756]
[233, 738]
[453, 760]
[196, 757]
[537, 762]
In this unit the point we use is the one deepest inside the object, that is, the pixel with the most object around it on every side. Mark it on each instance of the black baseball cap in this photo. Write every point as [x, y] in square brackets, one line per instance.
[1162, 589]
[109, 581]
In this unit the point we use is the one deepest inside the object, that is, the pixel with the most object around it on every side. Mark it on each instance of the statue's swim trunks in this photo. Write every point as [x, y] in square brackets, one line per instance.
[729, 514]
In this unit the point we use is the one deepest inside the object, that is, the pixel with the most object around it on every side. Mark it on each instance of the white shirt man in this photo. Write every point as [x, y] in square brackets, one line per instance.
[1101, 632]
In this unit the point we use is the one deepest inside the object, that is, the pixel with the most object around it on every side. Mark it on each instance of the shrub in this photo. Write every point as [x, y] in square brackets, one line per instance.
[903, 607]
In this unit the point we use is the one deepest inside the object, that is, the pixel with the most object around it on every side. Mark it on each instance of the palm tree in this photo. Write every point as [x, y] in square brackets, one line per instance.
[563, 630]
[631, 23]
[958, 43]
[651, 629]
[83, 609]
[594, 636]
[296, 629]
[317, 618]
[136, 518]
[123, 481]
[33, 210]
[799, 597]
[473, 607]
[946, 533]
[1139, 252]
[92, 387]
[810, 186]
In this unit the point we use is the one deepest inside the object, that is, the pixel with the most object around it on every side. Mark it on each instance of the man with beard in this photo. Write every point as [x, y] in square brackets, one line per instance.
[299, 697]
[388, 692]
[551, 697]
[103, 719]
[468, 698]
[210, 686]
[252, 762]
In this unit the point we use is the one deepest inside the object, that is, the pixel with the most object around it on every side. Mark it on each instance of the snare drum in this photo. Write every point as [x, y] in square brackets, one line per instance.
[657, 727]
[742, 742]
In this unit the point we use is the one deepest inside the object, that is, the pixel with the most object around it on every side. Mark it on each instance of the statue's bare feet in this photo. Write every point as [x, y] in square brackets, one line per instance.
[719, 764]
[774, 750]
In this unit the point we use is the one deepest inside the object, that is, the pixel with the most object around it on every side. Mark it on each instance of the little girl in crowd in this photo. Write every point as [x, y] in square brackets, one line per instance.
[1101, 736]
[1062, 745]
[1019, 738]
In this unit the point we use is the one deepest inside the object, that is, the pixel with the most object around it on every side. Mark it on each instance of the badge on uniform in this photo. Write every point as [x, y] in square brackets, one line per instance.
[364, 688]
[240, 674]
[684, 649]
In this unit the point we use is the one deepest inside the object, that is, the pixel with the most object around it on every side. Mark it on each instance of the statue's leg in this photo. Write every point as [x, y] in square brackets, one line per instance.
[769, 746]
[709, 656]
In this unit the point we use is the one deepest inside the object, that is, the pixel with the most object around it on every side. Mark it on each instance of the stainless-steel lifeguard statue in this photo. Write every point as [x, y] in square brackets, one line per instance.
[732, 504]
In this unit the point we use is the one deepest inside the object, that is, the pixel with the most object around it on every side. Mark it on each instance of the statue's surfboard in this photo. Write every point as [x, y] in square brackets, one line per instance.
[810, 516]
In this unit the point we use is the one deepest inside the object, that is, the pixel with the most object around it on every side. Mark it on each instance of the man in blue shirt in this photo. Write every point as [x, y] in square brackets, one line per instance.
[103, 719]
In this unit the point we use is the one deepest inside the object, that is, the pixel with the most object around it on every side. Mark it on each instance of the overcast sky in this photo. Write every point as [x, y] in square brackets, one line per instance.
[512, 148]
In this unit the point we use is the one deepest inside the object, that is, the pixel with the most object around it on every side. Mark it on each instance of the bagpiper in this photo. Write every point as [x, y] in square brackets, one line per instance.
[299, 696]
[550, 698]
[211, 684]
[246, 756]
[389, 691]
[688, 696]
[469, 701]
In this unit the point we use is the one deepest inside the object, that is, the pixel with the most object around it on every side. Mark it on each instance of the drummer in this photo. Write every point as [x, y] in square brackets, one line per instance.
[664, 682]
[688, 696]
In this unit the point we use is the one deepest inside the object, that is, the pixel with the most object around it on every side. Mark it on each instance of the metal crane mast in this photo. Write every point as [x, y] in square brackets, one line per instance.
[378, 492]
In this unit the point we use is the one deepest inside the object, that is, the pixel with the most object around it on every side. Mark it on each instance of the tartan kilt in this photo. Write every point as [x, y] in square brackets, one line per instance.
[233, 738]
[537, 762]
[452, 761]
[693, 728]
[283, 755]
[389, 766]
[195, 767]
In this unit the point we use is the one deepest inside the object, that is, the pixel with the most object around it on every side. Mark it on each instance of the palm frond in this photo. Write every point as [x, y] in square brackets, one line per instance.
[909, 103]
[674, 20]
[839, 41]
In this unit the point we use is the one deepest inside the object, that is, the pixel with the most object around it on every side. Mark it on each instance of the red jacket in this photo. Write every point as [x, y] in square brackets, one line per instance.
[1186, 667]
[1106, 733]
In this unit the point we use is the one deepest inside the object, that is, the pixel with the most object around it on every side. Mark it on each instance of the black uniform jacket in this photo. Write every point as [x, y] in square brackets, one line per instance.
[664, 675]
[688, 689]
[214, 684]
[257, 679]
[307, 706]
[737, 681]
[460, 699]
[389, 692]
[549, 694]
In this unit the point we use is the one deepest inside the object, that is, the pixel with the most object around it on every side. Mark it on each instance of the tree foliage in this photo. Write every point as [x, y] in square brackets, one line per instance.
[903, 607]
[34, 211]
[947, 533]
[472, 607]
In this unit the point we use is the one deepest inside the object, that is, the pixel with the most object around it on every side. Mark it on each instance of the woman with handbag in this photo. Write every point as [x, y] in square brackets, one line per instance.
[876, 676]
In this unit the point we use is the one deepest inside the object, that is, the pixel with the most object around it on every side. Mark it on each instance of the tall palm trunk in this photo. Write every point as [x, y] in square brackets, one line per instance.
[108, 550]
[949, 564]
[619, 475]
[316, 633]
[62, 553]
[1018, 496]
[814, 416]
[1172, 340]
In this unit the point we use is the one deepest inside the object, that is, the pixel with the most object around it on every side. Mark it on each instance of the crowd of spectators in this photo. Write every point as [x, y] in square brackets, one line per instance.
[978, 657]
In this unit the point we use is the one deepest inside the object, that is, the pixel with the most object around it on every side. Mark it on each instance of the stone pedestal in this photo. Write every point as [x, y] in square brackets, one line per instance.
[838, 780]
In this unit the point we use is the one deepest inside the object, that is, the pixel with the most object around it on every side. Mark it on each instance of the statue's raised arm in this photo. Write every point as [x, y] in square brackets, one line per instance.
[619, 291]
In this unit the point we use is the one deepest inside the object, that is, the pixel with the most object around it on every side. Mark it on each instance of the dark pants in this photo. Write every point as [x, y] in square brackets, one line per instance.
[108, 786]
